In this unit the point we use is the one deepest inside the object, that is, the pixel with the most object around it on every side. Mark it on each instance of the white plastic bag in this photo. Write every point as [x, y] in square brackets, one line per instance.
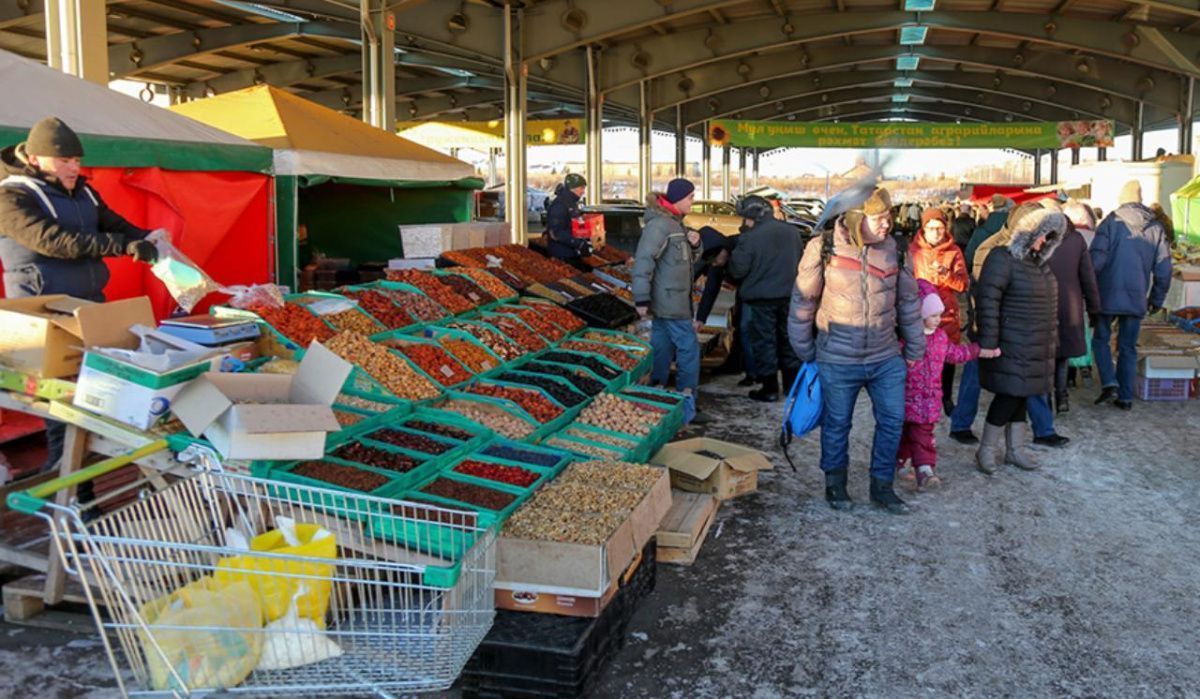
[184, 279]
[256, 296]
[293, 641]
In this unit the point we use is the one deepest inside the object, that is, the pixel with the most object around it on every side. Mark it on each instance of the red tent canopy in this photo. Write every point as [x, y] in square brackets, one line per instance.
[982, 193]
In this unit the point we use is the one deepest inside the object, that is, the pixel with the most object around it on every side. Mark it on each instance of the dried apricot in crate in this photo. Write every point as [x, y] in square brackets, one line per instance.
[489, 282]
[392, 372]
[295, 323]
[436, 290]
[433, 360]
[519, 332]
[471, 355]
[538, 406]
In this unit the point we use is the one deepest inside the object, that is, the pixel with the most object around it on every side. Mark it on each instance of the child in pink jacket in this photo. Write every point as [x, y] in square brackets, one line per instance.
[923, 394]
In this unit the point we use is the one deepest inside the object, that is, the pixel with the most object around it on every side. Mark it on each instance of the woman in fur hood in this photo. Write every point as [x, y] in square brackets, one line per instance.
[1017, 314]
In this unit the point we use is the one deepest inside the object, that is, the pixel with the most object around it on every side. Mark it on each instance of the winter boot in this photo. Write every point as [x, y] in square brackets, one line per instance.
[884, 496]
[769, 393]
[835, 490]
[1062, 402]
[1017, 453]
[987, 458]
[927, 478]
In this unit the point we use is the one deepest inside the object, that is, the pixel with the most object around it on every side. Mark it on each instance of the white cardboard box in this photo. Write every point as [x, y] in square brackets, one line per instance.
[45, 335]
[427, 240]
[267, 416]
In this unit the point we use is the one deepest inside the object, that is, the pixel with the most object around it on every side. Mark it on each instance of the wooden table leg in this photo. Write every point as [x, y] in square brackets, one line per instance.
[74, 450]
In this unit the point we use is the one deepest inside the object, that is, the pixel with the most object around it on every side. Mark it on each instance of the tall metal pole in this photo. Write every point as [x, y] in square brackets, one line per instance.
[726, 185]
[1102, 154]
[680, 143]
[755, 180]
[379, 64]
[1187, 116]
[1053, 166]
[515, 75]
[1139, 132]
[595, 124]
[706, 173]
[77, 38]
[1074, 156]
[645, 156]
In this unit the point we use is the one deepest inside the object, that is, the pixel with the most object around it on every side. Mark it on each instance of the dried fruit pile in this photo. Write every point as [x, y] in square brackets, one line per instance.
[533, 319]
[565, 396]
[469, 258]
[599, 368]
[653, 397]
[538, 406]
[363, 403]
[469, 354]
[419, 306]
[584, 384]
[340, 475]
[433, 360]
[392, 372]
[353, 320]
[591, 450]
[597, 336]
[410, 441]
[513, 475]
[545, 524]
[518, 332]
[613, 255]
[609, 439]
[440, 430]
[559, 316]
[537, 458]
[506, 425]
[604, 307]
[470, 493]
[435, 289]
[489, 282]
[618, 415]
[468, 289]
[497, 343]
[619, 357]
[295, 323]
[346, 419]
[381, 308]
[608, 474]
[371, 456]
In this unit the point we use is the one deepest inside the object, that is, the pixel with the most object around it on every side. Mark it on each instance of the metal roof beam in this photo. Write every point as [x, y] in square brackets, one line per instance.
[1098, 74]
[1024, 90]
[129, 59]
[407, 90]
[14, 12]
[629, 63]
[942, 112]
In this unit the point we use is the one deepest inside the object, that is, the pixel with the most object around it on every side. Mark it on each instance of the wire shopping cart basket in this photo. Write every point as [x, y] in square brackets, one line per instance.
[360, 607]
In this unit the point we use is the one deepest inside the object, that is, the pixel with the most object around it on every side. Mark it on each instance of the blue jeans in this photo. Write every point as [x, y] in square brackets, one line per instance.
[747, 347]
[1040, 415]
[676, 339]
[1125, 374]
[967, 406]
[840, 386]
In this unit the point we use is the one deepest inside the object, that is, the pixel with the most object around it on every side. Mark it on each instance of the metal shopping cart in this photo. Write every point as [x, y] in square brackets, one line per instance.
[404, 620]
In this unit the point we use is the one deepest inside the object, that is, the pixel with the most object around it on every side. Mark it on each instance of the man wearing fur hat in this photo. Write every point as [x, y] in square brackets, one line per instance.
[55, 230]
[662, 287]
[852, 294]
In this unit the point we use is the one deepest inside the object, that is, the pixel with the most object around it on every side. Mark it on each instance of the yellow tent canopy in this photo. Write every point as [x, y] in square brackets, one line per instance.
[309, 139]
[440, 134]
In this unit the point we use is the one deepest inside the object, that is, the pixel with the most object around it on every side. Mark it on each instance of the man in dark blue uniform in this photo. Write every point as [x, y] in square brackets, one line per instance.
[563, 210]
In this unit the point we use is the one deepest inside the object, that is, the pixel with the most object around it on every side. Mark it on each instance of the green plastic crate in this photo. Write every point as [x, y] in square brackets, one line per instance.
[448, 271]
[544, 428]
[564, 457]
[502, 405]
[620, 381]
[316, 296]
[448, 537]
[641, 450]
[570, 442]
[343, 505]
[456, 448]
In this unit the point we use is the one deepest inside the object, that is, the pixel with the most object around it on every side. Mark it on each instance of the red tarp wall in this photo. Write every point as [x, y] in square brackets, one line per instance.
[982, 193]
[221, 220]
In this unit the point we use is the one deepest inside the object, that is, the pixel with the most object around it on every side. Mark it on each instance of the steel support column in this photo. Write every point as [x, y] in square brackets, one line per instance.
[1053, 166]
[742, 188]
[515, 79]
[594, 107]
[680, 143]
[77, 38]
[706, 173]
[1101, 154]
[1139, 133]
[1187, 116]
[379, 64]
[726, 184]
[1074, 156]
[645, 133]
[1037, 167]
[755, 179]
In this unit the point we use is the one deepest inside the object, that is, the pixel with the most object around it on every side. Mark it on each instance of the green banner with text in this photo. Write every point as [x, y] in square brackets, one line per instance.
[910, 134]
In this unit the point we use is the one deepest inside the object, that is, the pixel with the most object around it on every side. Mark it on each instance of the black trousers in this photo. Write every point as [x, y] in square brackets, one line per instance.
[1061, 367]
[769, 338]
[1006, 409]
[948, 380]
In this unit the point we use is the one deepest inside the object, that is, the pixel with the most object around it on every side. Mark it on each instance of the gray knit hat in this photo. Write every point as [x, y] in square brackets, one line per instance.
[51, 138]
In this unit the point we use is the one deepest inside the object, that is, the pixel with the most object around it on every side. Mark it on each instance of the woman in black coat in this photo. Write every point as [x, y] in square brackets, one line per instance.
[1017, 314]
[1077, 291]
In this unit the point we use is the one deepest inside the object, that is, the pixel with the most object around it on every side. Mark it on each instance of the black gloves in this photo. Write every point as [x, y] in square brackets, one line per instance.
[585, 249]
[1152, 309]
[142, 251]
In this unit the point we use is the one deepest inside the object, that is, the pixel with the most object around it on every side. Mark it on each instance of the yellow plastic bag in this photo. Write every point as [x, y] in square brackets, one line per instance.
[219, 655]
[276, 580]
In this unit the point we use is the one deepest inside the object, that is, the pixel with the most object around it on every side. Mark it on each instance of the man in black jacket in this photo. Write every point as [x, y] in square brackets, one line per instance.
[765, 261]
[964, 225]
[55, 229]
[560, 215]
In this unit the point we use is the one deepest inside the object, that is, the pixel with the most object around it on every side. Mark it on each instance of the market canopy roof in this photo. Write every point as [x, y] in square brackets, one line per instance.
[313, 140]
[117, 130]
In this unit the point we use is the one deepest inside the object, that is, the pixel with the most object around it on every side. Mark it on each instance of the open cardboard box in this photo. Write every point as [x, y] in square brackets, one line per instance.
[734, 474]
[267, 416]
[578, 571]
[45, 335]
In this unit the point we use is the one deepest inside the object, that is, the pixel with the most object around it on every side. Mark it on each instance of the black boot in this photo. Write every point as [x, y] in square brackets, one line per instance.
[1062, 402]
[769, 393]
[748, 381]
[835, 490]
[883, 496]
[789, 378]
[1107, 394]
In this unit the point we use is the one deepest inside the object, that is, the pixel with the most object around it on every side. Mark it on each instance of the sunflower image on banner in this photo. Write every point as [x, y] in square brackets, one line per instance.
[718, 135]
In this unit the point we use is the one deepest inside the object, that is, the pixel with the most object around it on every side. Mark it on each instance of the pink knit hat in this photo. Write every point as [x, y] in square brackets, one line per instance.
[931, 303]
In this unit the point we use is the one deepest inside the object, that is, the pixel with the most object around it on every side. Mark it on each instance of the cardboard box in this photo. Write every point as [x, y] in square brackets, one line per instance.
[534, 598]
[497, 234]
[426, 241]
[136, 387]
[685, 527]
[266, 416]
[581, 570]
[734, 474]
[45, 335]
[1169, 367]
[413, 263]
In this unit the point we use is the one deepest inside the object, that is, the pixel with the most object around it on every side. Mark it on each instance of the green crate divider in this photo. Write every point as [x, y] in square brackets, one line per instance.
[418, 339]
[619, 454]
[343, 505]
[446, 539]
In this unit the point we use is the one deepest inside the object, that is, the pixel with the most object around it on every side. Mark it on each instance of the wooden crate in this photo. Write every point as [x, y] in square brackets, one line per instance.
[684, 529]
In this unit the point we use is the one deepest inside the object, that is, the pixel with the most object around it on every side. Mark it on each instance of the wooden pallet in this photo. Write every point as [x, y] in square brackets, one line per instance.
[683, 531]
[25, 604]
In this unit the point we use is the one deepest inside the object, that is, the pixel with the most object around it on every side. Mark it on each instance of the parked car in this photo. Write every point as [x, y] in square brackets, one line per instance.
[720, 215]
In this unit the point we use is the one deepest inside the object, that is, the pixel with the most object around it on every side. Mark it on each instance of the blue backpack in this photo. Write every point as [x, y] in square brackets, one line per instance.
[803, 408]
